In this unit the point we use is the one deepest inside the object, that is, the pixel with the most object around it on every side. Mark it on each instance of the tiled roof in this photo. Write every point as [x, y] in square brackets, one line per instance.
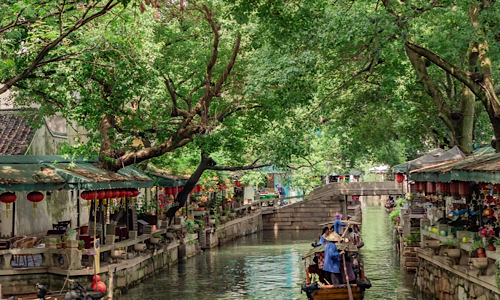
[15, 134]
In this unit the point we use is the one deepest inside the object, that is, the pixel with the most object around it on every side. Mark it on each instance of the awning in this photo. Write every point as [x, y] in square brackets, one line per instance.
[164, 179]
[478, 168]
[29, 177]
[35, 173]
[433, 157]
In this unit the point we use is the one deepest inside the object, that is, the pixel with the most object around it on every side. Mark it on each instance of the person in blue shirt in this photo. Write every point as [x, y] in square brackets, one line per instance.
[338, 224]
[282, 193]
[326, 232]
[331, 267]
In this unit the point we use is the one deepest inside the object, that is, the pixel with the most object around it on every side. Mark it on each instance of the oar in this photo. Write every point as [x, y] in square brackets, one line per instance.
[347, 279]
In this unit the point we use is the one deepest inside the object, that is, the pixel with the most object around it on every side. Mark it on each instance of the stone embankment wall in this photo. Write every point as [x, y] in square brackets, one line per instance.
[438, 279]
[124, 274]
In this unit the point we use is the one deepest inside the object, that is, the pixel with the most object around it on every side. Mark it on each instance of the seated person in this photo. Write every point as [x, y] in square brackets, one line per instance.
[350, 270]
[326, 232]
[314, 269]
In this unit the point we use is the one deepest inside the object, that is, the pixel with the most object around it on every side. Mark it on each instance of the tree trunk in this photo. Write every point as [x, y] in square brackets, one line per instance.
[181, 198]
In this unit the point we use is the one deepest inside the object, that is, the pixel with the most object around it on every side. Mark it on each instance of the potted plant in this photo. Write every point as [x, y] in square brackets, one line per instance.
[478, 247]
[71, 235]
[224, 216]
[59, 243]
[451, 251]
[81, 245]
[433, 244]
[190, 226]
[156, 239]
[232, 213]
[200, 223]
[496, 242]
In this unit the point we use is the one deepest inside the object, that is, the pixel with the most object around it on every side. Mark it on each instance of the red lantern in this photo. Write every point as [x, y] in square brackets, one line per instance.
[116, 194]
[464, 188]
[454, 188]
[108, 194]
[198, 188]
[169, 191]
[443, 187]
[237, 183]
[419, 186]
[128, 193]
[8, 198]
[400, 177]
[35, 197]
[135, 192]
[98, 278]
[179, 189]
[88, 195]
[101, 287]
[430, 188]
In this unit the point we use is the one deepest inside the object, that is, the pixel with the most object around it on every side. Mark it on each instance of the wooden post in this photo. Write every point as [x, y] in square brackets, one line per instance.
[110, 283]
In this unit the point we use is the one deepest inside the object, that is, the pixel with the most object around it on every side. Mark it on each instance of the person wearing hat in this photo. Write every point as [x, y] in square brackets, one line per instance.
[331, 267]
[338, 224]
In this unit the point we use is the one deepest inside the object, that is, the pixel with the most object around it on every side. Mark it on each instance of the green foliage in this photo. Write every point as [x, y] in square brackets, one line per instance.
[477, 244]
[189, 225]
[449, 243]
[200, 223]
[395, 213]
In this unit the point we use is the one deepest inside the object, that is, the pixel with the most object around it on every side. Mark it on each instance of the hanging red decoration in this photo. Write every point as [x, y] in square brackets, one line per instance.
[88, 195]
[443, 187]
[35, 197]
[135, 192]
[489, 199]
[116, 193]
[419, 186]
[197, 188]
[128, 193]
[463, 188]
[483, 186]
[400, 177]
[107, 194]
[430, 187]
[179, 189]
[8, 198]
[169, 191]
[237, 183]
[454, 188]
[161, 197]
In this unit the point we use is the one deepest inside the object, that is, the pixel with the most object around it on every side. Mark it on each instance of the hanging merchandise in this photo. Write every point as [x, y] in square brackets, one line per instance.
[116, 193]
[108, 194]
[35, 197]
[443, 187]
[488, 212]
[8, 198]
[419, 186]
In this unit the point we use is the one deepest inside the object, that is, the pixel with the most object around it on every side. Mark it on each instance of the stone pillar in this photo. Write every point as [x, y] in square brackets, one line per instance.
[74, 255]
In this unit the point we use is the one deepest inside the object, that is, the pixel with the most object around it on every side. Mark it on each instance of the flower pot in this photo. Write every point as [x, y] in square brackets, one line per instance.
[480, 253]
[71, 236]
[155, 240]
[232, 215]
[223, 218]
[433, 244]
[117, 253]
[212, 222]
[491, 248]
[140, 247]
[480, 263]
[84, 230]
[454, 253]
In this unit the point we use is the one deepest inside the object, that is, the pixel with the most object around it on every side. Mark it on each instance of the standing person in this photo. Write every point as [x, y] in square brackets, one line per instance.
[338, 224]
[282, 193]
[331, 267]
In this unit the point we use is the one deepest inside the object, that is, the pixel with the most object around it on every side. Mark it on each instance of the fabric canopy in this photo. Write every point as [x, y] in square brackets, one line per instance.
[433, 157]
[44, 173]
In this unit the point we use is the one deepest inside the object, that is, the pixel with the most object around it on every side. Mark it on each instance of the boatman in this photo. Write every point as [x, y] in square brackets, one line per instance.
[331, 267]
[338, 224]
[282, 193]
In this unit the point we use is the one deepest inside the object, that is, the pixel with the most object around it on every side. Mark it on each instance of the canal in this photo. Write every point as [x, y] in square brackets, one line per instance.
[268, 266]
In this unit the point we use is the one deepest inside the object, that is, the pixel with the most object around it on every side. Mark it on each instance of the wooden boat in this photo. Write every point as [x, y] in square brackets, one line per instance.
[317, 291]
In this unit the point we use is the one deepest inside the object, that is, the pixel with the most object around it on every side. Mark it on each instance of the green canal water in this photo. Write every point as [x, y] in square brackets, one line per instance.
[268, 265]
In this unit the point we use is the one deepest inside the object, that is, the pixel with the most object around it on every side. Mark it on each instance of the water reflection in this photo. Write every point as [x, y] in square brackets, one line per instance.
[268, 265]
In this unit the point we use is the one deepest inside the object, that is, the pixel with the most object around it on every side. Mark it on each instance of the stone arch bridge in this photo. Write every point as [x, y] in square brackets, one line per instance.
[324, 202]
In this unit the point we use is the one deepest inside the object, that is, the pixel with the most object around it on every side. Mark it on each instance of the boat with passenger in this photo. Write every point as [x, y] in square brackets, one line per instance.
[350, 283]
